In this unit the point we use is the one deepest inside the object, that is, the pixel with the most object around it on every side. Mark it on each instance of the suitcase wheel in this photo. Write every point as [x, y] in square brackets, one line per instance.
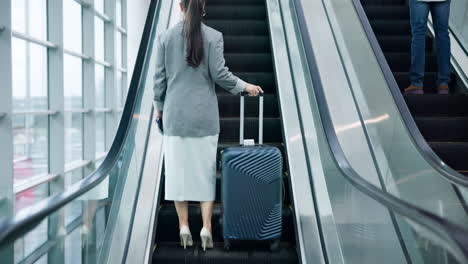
[275, 245]
[227, 244]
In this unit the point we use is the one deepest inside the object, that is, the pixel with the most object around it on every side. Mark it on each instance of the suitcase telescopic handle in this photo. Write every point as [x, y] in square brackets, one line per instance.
[242, 118]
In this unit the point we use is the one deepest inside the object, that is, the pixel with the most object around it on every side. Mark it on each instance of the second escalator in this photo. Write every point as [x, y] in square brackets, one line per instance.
[442, 119]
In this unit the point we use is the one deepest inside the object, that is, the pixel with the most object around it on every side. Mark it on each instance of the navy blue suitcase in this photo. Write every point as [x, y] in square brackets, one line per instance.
[252, 186]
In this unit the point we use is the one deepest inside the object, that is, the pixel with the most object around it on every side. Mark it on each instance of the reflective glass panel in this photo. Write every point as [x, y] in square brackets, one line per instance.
[73, 81]
[31, 241]
[73, 137]
[100, 91]
[72, 25]
[74, 209]
[99, 5]
[99, 38]
[31, 196]
[100, 133]
[118, 86]
[118, 49]
[73, 247]
[118, 11]
[30, 142]
[459, 21]
[42, 260]
[30, 17]
[29, 84]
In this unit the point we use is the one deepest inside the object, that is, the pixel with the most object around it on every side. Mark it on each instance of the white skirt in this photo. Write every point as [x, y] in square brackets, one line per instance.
[190, 166]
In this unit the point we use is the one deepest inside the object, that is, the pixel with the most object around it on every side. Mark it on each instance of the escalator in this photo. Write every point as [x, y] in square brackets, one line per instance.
[248, 55]
[442, 119]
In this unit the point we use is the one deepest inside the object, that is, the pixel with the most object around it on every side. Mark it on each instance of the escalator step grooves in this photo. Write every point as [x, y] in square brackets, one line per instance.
[239, 27]
[442, 119]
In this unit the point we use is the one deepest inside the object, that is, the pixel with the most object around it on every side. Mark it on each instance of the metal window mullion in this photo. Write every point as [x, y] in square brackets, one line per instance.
[28, 38]
[56, 222]
[39, 112]
[6, 129]
[122, 30]
[102, 16]
[76, 165]
[125, 46]
[79, 111]
[89, 89]
[103, 63]
[34, 182]
[102, 110]
[76, 54]
[110, 72]
[124, 14]
[83, 3]
[124, 64]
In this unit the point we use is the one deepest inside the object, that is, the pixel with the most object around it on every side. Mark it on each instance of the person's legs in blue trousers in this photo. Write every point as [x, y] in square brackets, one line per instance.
[419, 12]
[440, 14]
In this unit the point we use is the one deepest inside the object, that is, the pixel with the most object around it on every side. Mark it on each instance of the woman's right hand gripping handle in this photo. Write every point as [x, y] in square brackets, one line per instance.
[253, 90]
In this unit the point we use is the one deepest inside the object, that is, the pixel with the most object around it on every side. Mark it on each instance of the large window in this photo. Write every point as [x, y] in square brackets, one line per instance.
[68, 87]
[30, 99]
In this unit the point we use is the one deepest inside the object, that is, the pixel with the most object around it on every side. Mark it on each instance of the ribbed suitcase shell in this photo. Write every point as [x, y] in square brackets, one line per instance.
[252, 193]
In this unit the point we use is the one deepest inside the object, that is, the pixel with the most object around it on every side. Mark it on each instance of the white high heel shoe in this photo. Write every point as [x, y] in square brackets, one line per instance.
[206, 238]
[185, 237]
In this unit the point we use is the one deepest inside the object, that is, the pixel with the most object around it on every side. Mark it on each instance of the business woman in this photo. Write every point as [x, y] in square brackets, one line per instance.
[189, 62]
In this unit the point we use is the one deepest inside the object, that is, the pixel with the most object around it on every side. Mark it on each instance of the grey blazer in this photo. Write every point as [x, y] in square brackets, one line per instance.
[187, 95]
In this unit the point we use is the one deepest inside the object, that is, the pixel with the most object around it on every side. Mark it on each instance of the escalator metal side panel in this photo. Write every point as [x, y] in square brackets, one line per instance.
[122, 216]
[307, 229]
[324, 210]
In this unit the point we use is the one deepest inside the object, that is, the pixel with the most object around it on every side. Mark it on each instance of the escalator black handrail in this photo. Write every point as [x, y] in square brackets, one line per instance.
[421, 144]
[17, 226]
[441, 227]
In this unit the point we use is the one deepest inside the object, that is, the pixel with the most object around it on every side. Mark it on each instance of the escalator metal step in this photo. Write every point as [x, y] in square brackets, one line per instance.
[438, 105]
[251, 62]
[391, 27]
[247, 44]
[454, 153]
[387, 12]
[237, 2]
[239, 27]
[174, 253]
[252, 12]
[444, 129]
[383, 2]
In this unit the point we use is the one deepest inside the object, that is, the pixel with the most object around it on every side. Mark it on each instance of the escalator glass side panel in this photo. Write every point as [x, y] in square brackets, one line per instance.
[402, 170]
[459, 21]
[373, 226]
[78, 225]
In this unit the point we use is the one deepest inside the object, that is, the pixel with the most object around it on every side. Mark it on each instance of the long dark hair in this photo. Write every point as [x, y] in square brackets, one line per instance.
[194, 12]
